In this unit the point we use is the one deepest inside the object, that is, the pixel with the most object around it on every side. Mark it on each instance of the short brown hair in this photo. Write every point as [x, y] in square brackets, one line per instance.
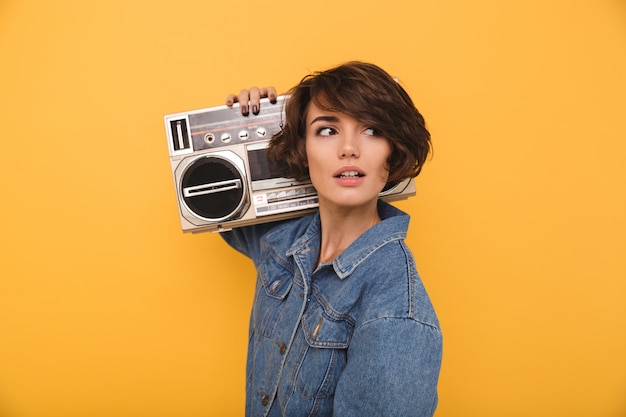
[367, 93]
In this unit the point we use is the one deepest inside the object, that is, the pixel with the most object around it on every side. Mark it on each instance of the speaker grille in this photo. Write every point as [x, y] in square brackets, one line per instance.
[216, 204]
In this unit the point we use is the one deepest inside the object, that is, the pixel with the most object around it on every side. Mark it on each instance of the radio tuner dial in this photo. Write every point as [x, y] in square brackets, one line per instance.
[243, 134]
[261, 132]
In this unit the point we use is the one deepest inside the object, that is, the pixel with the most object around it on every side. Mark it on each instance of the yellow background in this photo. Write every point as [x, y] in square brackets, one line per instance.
[519, 225]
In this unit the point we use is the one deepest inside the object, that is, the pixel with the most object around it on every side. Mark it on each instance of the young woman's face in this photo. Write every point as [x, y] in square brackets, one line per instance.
[347, 159]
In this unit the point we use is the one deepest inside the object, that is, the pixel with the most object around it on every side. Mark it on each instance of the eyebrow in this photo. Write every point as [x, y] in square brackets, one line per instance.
[332, 119]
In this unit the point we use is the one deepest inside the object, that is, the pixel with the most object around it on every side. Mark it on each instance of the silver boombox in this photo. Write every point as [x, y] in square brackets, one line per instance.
[222, 176]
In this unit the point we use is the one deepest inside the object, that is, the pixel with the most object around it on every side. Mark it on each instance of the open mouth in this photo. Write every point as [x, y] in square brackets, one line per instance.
[349, 174]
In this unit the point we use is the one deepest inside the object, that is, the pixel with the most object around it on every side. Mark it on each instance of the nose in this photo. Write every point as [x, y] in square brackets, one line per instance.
[349, 145]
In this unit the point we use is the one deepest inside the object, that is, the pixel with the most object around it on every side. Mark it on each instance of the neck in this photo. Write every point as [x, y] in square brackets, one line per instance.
[342, 226]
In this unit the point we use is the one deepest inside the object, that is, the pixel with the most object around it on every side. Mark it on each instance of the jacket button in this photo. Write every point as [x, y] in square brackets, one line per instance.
[281, 347]
[265, 399]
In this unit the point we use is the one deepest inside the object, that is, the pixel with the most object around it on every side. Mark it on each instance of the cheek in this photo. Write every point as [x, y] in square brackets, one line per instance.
[385, 152]
[311, 161]
[385, 164]
[315, 154]
[315, 168]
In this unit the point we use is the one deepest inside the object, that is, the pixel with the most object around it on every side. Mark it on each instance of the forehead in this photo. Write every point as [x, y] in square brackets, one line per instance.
[316, 114]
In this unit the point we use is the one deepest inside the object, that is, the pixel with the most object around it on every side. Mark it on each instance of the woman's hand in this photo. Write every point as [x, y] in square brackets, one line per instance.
[250, 100]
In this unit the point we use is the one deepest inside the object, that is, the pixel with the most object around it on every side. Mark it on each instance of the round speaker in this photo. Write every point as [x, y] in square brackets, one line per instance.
[213, 188]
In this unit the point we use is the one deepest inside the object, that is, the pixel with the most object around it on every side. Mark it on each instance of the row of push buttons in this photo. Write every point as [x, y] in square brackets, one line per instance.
[301, 204]
[290, 194]
[261, 132]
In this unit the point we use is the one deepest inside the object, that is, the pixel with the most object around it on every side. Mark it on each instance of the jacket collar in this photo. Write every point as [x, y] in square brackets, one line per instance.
[393, 226]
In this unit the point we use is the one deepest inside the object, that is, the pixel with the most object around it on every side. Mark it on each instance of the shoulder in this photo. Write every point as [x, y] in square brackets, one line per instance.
[284, 234]
[253, 241]
[392, 286]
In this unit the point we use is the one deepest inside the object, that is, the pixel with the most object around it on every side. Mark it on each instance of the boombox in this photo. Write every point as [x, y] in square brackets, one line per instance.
[223, 178]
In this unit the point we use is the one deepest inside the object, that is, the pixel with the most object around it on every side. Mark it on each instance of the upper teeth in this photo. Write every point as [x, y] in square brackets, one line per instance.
[349, 174]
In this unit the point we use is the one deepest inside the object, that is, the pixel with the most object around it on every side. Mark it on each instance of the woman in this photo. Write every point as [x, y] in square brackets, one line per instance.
[341, 323]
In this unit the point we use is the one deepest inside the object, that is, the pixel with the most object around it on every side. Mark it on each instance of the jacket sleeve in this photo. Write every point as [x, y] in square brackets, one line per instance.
[392, 370]
[247, 239]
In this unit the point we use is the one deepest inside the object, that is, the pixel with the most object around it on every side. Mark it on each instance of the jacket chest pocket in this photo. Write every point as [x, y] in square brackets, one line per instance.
[323, 351]
[323, 331]
[274, 284]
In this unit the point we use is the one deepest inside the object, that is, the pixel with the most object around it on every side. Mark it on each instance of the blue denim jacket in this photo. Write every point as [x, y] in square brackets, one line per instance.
[355, 337]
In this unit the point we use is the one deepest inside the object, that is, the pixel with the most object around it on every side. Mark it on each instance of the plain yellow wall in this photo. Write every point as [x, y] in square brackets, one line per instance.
[519, 225]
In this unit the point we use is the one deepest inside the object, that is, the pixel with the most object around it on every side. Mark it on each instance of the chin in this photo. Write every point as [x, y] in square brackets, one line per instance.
[348, 200]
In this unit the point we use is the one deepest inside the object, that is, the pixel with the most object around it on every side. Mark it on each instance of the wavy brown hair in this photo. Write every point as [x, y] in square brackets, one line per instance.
[364, 92]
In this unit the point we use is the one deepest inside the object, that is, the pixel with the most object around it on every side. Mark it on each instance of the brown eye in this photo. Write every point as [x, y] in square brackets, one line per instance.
[325, 131]
[370, 131]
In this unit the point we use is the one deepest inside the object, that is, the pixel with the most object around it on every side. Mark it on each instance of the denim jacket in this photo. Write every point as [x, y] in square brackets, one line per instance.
[354, 337]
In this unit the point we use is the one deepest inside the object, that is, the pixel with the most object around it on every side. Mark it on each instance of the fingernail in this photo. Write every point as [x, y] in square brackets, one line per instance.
[272, 98]
[244, 110]
[229, 103]
[255, 109]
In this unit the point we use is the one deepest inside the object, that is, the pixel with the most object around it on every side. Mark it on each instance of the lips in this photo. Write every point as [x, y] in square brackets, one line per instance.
[349, 176]
[349, 172]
